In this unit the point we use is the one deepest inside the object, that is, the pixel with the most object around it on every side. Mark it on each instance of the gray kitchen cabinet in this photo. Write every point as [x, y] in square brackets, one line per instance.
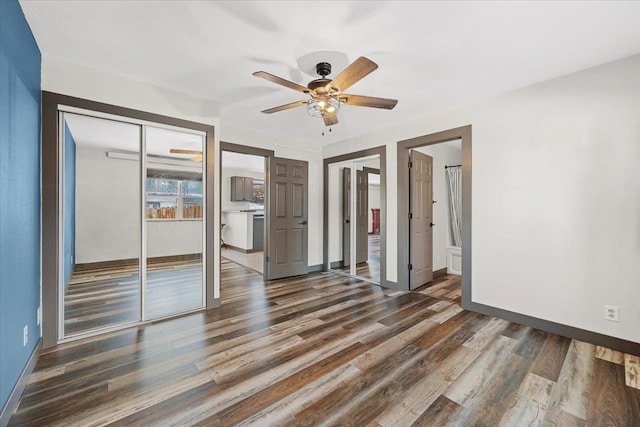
[241, 189]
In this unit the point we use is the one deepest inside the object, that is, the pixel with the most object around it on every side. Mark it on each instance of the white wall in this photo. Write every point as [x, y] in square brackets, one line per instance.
[443, 155]
[107, 213]
[556, 206]
[75, 80]
[83, 82]
[174, 237]
[291, 150]
[107, 206]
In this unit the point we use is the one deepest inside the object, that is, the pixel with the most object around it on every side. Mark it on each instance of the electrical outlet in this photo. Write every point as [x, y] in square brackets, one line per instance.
[39, 315]
[126, 250]
[25, 335]
[611, 313]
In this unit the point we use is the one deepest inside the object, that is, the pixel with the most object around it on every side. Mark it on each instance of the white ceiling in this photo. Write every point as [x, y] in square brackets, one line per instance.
[119, 136]
[432, 55]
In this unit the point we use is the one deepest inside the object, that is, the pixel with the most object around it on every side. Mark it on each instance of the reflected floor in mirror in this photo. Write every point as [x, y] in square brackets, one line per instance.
[371, 268]
[108, 296]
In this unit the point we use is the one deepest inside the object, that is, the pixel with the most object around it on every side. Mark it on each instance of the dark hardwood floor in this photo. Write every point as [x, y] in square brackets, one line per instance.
[329, 350]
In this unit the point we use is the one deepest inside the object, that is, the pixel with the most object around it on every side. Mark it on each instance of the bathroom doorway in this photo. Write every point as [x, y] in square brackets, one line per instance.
[434, 213]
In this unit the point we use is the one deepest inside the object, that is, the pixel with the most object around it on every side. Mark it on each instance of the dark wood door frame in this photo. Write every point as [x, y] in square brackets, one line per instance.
[253, 151]
[463, 133]
[382, 152]
[374, 171]
[51, 193]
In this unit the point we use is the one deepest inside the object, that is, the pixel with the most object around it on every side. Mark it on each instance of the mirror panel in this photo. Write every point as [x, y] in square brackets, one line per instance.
[354, 217]
[174, 222]
[337, 218]
[101, 223]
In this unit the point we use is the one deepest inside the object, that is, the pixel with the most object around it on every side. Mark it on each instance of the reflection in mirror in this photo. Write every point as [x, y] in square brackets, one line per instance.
[100, 223]
[336, 219]
[174, 222]
[354, 221]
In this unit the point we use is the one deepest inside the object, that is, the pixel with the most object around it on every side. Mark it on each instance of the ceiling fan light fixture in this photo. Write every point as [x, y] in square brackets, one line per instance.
[321, 107]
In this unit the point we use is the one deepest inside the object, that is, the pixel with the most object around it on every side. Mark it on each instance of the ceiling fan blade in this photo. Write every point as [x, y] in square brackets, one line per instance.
[181, 151]
[197, 158]
[285, 107]
[359, 69]
[331, 120]
[281, 81]
[368, 101]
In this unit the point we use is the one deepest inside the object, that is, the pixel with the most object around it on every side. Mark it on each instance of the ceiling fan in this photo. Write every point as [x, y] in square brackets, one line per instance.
[196, 153]
[327, 95]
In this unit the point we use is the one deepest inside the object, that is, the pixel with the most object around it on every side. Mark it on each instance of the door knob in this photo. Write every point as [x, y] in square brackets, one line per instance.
[303, 222]
[346, 221]
[431, 225]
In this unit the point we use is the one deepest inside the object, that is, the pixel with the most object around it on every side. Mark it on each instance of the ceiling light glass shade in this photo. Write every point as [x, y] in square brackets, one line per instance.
[320, 107]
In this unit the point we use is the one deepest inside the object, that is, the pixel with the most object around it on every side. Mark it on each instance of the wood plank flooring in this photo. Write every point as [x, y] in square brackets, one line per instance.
[329, 350]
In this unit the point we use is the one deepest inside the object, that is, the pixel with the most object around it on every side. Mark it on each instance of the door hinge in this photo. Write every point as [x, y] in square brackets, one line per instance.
[410, 266]
[410, 215]
[410, 165]
[266, 258]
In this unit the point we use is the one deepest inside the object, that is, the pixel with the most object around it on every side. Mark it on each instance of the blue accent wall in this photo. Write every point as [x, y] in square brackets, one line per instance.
[19, 193]
[69, 225]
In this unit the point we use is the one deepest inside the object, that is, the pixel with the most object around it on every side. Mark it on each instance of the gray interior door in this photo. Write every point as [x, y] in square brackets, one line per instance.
[421, 219]
[288, 208]
[346, 217]
[362, 216]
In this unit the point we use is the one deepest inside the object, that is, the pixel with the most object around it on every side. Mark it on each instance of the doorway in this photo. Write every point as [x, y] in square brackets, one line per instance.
[434, 210]
[354, 215]
[272, 214]
[243, 198]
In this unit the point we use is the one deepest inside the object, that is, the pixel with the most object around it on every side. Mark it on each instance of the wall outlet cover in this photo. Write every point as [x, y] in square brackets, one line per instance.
[25, 335]
[611, 313]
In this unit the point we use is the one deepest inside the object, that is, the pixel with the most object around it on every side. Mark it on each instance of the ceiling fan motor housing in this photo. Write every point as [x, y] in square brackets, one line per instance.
[323, 69]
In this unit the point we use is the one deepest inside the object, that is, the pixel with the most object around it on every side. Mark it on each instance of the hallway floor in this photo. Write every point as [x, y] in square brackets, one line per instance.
[253, 260]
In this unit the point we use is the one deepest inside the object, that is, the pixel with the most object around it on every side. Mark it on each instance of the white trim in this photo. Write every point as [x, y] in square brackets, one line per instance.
[61, 186]
[142, 271]
[204, 220]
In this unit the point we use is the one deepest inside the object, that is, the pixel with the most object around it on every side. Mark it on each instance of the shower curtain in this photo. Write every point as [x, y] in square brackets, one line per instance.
[454, 183]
